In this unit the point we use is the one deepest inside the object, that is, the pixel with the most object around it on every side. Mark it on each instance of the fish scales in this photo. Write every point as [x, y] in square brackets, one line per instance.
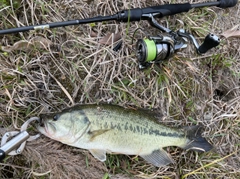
[126, 124]
[135, 124]
[108, 128]
[130, 121]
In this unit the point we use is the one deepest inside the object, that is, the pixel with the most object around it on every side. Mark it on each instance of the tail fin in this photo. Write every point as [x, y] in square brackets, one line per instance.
[197, 142]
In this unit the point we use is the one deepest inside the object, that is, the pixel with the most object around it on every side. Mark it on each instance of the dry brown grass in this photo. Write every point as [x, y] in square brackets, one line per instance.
[75, 68]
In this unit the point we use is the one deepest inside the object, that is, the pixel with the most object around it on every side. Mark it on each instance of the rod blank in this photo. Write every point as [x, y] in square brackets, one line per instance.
[136, 14]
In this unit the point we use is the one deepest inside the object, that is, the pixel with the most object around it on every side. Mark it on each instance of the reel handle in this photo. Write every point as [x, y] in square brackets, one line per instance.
[210, 41]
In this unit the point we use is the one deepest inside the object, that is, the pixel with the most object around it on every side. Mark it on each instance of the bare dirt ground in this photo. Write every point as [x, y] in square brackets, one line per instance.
[46, 71]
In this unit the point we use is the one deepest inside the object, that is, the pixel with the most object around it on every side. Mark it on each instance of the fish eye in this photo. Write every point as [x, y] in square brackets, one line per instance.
[55, 118]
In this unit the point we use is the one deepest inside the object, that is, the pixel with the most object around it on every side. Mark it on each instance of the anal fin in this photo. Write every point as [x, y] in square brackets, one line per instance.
[99, 154]
[158, 158]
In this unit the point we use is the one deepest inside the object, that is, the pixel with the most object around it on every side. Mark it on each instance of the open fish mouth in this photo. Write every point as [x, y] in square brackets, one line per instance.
[41, 122]
[47, 127]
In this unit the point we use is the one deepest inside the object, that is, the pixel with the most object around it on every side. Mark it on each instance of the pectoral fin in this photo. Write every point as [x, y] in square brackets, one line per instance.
[96, 133]
[99, 154]
[158, 158]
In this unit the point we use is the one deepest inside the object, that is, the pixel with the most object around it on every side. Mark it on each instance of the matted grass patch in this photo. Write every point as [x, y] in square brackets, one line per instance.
[70, 66]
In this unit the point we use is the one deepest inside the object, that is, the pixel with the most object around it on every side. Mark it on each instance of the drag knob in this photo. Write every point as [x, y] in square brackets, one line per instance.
[210, 41]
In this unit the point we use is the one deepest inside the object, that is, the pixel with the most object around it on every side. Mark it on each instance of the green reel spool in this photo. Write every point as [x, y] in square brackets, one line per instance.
[146, 50]
[151, 50]
[154, 50]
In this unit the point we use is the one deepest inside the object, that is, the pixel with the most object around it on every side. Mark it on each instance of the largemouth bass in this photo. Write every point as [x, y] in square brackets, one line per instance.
[108, 128]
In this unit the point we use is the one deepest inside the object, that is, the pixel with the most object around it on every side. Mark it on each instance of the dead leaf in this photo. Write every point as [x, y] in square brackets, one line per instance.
[110, 38]
[232, 32]
[27, 45]
[93, 34]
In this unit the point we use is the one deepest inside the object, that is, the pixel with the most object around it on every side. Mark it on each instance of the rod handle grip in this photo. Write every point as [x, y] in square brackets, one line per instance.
[167, 9]
[138, 14]
[227, 3]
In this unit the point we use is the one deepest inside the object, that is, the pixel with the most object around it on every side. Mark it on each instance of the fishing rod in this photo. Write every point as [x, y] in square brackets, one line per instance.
[152, 49]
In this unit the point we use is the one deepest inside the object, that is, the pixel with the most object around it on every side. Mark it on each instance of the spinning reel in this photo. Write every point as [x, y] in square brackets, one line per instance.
[156, 49]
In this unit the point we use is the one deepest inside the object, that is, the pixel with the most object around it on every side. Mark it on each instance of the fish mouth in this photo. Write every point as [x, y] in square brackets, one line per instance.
[46, 127]
[41, 122]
